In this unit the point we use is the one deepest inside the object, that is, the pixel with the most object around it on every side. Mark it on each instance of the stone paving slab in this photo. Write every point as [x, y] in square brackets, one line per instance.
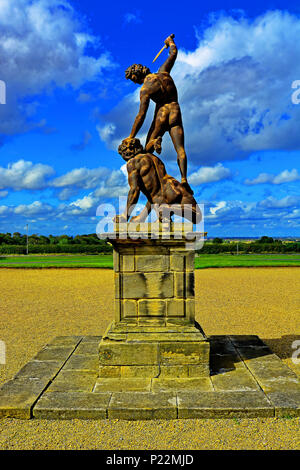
[135, 384]
[19, 395]
[73, 381]
[71, 405]
[286, 403]
[61, 382]
[190, 383]
[224, 405]
[143, 405]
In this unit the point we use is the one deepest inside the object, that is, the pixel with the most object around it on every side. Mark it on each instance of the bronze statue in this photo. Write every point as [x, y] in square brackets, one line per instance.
[160, 88]
[147, 173]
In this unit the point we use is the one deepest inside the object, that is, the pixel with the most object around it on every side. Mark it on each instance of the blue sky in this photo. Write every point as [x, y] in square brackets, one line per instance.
[68, 106]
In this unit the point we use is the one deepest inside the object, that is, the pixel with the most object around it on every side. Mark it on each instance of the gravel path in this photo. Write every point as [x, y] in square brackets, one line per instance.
[37, 305]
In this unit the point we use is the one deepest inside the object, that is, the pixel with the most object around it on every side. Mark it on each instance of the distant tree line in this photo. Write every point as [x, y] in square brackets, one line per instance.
[263, 245]
[16, 244]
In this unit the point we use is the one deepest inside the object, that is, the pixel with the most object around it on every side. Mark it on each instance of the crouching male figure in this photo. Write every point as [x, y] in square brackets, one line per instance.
[147, 174]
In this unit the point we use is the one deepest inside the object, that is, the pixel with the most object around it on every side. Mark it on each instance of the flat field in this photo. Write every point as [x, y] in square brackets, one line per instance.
[37, 305]
[106, 261]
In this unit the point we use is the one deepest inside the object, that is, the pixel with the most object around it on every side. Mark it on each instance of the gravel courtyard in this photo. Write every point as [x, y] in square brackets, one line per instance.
[39, 304]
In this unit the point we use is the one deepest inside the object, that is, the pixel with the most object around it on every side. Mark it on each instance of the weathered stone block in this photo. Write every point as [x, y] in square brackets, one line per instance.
[147, 285]
[175, 308]
[40, 369]
[199, 370]
[120, 353]
[87, 348]
[17, 396]
[179, 284]
[139, 371]
[73, 381]
[127, 263]
[197, 405]
[117, 285]
[235, 380]
[142, 405]
[88, 362]
[177, 262]
[174, 371]
[110, 371]
[133, 285]
[118, 310]
[195, 383]
[159, 285]
[190, 261]
[183, 352]
[190, 285]
[190, 309]
[72, 405]
[91, 339]
[151, 321]
[116, 261]
[154, 249]
[64, 341]
[54, 353]
[129, 308]
[151, 308]
[286, 403]
[123, 384]
[151, 262]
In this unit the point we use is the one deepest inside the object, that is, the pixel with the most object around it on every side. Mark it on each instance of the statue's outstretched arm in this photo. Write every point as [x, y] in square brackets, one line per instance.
[134, 191]
[168, 64]
[140, 118]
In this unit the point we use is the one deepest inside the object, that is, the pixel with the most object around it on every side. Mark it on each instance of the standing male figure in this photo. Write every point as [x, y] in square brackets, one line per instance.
[160, 88]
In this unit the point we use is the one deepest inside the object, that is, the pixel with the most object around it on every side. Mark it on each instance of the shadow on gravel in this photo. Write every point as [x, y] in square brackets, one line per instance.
[227, 351]
[285, 346]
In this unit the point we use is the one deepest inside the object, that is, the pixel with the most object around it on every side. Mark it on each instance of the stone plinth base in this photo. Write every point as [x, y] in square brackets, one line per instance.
[154, 334]
[135, 351]
[61, 382]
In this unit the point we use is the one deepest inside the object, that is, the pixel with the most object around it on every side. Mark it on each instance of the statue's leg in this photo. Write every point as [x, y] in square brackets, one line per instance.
[143, 215]
[177, 136]
[150, 133]
[190, 209]
[159, 128]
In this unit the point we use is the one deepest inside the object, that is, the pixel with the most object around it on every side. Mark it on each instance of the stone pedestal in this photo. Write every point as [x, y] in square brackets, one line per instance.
[154, 334]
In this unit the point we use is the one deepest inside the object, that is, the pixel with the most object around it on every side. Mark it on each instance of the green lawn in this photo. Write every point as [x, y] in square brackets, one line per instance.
[105, 261]
[251, 260]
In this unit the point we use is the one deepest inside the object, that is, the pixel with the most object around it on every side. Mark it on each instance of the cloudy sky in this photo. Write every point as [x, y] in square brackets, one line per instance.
[68, 106]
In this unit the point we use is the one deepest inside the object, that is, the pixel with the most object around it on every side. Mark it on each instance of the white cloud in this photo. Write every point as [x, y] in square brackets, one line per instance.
[285, 176]
[114, 186]
[219, 205]
[82, 178]
[234, 90]
[42, 45]
[123, 169]
[288, 201]
[25, 175]
[3, 194]
[85, 203]
[207, 174]
[36, 209]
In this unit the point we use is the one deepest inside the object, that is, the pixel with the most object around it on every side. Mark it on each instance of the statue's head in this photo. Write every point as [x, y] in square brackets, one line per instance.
[129, 148]
[137, 73]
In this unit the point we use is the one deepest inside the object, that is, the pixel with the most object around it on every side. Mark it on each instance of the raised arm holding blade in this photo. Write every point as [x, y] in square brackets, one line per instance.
[160, 88]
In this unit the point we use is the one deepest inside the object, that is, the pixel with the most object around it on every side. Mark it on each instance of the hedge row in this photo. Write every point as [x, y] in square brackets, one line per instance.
[208, 248]
[214, 248]
[41, 249]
